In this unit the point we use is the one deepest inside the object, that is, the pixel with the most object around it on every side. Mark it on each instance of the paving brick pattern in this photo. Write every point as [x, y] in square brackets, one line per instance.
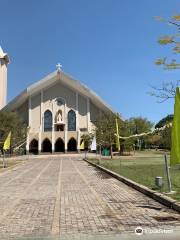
[64, 196]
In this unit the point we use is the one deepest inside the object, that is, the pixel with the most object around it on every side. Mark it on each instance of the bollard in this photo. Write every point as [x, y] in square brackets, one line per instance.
[159, 182]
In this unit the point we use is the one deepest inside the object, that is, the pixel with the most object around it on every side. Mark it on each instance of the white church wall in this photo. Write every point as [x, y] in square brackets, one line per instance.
[82, 107]
[4, 60]
[35, 113]
[33, 136]
[58, 135]
[46, 135]
[71, 134]
[58, 90]
[94, 112]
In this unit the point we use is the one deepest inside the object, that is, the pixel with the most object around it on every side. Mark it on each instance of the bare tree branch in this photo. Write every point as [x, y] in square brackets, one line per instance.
[168, 89]
[165, 92]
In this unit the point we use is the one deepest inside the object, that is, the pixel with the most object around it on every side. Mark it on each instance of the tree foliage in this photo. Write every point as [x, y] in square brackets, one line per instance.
[168, 89]
[164, 121]
[87, 138]
[10, 121]
[162, 139]
[139, 125]
[154, 140]
[165, 141]
[106, 130]
[173, 40]
[132, 126]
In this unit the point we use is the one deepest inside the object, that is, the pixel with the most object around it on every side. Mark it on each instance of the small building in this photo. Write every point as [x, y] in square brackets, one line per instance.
[58, 110]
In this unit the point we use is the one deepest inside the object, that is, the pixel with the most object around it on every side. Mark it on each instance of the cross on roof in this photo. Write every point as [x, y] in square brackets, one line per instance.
[59, 67]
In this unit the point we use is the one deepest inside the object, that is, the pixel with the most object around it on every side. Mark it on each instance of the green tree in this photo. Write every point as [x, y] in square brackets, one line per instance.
[137, 125]
[168, 89]
[106, 129]
[164, 121]
[87, 138]
[166, 138]
[154, 140]
[126, 145]
[10, 121]
[166, 134]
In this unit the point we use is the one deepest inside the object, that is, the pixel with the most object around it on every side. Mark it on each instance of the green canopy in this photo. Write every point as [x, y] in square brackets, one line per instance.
[175, 149]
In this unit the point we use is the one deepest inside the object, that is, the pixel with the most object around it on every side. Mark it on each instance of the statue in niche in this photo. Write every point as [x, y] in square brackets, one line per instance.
[59, 117]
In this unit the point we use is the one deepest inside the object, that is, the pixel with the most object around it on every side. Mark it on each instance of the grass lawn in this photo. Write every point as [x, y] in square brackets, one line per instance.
[142, 168]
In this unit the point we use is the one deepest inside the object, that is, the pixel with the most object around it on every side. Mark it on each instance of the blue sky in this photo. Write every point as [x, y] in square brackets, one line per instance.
[110, 45]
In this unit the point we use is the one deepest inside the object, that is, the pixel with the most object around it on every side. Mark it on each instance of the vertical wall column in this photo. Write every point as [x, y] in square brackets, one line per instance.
[88, 115]
[41, 124]
[77, 113]
[30, 115]
[53, 139]
[39, 142]
[27, 143]
[41, 113]
[77, 123]
[65, 129]
[53, 135]
[29, 124]
[78, 140]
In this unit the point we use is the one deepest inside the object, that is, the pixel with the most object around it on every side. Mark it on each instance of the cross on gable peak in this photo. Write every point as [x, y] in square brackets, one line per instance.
[59, 67]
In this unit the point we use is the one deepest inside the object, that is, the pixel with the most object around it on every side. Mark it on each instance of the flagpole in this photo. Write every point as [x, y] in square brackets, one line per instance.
[168, 174]
[3, 159]
[117, 136]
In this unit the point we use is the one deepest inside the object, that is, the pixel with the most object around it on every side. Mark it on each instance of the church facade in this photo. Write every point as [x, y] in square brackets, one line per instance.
[58, 110]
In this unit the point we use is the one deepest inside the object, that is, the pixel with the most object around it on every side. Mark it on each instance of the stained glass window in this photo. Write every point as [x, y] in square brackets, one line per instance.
[71, 121]
[47, 121]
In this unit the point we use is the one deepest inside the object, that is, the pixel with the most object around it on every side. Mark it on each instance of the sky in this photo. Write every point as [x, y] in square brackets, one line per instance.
[109, 45]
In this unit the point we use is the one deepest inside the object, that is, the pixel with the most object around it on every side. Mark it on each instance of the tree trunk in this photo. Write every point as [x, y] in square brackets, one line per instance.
[111, 151]
[100, 155]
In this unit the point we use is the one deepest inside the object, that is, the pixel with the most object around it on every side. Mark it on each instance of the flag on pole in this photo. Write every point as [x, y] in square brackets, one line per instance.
[175, 149]
[7, 142]
[82, 145]
[117, 136]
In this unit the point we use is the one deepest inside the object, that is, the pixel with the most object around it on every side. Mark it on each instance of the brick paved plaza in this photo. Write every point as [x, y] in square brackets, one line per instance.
[64, 196]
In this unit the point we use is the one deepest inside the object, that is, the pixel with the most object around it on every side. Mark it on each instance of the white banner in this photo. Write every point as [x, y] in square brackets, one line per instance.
[93, 144]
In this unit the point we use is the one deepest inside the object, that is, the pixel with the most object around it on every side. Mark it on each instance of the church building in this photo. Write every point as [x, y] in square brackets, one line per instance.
[58, 110]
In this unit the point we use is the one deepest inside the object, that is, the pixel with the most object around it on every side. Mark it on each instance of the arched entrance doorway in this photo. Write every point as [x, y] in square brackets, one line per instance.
[59, 145]
[46, 145]
[72, 145]
[33, 146]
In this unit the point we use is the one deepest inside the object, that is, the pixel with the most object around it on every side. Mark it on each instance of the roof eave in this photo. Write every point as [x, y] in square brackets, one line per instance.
[44, 83]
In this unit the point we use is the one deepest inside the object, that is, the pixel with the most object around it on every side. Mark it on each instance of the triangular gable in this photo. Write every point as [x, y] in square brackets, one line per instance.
[51, 79]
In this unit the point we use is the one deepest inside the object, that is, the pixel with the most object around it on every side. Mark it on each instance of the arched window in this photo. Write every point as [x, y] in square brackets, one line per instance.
[71, 121]
[47, 121]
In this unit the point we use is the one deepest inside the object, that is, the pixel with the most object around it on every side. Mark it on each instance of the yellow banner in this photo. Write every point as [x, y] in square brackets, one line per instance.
[175, 149]
[82, 145]
[7, 142]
